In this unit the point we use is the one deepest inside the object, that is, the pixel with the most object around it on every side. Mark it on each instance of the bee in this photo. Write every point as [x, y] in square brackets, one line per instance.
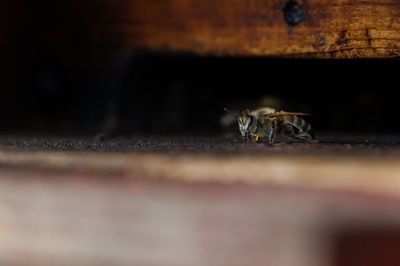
[265, 123]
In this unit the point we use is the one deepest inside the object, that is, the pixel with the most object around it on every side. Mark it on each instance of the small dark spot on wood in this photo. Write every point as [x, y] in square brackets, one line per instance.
[292, 13]
[342, 38]
[368, 37]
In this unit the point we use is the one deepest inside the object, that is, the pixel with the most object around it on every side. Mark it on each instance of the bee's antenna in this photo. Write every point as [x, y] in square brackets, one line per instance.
[229, 111]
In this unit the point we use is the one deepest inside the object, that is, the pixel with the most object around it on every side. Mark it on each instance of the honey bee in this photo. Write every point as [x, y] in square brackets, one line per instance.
[265, 123]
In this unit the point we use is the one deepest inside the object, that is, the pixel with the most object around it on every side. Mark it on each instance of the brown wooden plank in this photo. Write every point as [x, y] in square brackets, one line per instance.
[100, 31]
[329, 29]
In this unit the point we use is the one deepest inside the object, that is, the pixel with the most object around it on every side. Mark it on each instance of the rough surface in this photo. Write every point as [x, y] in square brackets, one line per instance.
[328, 144]
[314, 28]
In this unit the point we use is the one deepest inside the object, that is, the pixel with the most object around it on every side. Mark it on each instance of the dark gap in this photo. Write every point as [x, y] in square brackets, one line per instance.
[155, 93]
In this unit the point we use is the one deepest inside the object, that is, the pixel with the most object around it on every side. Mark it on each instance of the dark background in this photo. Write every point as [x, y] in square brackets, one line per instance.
[58, 78]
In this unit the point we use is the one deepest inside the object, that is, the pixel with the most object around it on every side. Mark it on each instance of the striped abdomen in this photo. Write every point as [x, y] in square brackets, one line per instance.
[297, 122]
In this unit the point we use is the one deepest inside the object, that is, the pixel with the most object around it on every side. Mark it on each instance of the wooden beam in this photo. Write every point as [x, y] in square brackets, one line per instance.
[324, 28]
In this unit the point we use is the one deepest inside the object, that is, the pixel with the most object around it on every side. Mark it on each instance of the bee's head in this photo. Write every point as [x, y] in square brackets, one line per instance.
[246, 122]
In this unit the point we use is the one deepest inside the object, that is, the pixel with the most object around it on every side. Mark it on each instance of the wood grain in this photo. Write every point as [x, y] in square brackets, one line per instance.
[101, 32]
[329, 29]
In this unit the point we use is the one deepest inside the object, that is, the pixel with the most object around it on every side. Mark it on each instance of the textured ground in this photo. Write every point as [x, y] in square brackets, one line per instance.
[328, 144]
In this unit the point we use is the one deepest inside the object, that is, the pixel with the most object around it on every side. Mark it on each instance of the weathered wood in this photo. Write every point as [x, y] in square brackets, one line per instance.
[98, 32]
[328, 29]
[61, 208]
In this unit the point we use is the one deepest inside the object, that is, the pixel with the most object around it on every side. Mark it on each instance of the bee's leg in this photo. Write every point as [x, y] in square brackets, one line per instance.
[304, 136]
[298, 134]
[249, 138]
[272, 132]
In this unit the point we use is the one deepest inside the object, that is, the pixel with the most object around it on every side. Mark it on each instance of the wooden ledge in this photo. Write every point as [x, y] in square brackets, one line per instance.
[371, 175]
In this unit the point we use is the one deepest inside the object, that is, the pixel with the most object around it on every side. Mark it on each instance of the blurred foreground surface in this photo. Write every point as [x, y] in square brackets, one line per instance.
[199, 201]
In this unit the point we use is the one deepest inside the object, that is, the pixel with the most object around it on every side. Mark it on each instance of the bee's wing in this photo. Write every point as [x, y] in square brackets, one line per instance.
[264, 110]
[286, 114]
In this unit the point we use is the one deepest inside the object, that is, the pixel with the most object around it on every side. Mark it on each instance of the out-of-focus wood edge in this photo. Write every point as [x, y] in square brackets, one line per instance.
[360, 174]
[94, 216]
[329, 29]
